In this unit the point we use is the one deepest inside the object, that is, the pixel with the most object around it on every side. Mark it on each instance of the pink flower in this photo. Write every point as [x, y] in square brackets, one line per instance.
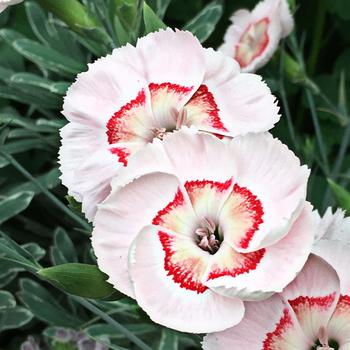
[194, 226]
[137, 94]
[253, 36]
[5, 3]
[313, 312]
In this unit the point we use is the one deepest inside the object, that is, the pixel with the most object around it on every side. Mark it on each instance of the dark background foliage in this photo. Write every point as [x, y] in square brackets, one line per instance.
[40, 57]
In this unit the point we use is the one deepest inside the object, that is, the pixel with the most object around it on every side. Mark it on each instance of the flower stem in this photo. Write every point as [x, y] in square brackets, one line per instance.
[120, 328]
[318, 131]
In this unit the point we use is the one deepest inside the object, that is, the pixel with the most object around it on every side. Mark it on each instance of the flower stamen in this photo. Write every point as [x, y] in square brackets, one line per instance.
[323, 338]
[206, 238]
[159, 133]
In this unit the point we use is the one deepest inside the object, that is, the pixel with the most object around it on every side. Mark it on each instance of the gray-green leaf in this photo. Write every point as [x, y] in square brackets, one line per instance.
[205, 22]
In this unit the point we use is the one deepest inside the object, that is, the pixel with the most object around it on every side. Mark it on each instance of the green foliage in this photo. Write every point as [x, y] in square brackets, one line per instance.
[151, 20]
[205, 22]
[44, 305]
[342, 196]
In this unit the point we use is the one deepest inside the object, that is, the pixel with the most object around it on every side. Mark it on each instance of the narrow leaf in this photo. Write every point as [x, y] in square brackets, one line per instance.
[47, 57]
[151, 20]
[63, 250]
[12, 205]
[44, 306]
[7, 300]
[205, 22]
[14, 318]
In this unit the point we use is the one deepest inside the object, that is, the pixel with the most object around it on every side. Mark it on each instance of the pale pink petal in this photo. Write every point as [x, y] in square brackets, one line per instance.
[281, 187]
[125, 212]
[199, 157]
[88, 176]
[334, 226]
[174, 66]
[267, 270]
[185, 153]
[111, 95]
[230, 103]
[313, 296]
[165, 272]
[267, 325]
[273, 181]
[5, 3]
[207, 197]
[337, 254]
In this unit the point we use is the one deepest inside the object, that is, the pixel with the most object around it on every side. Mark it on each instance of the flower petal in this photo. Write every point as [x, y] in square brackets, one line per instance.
[273, 176]
[102, 100]
[267, 325]
[125, 212]
[196, 156]
[337, 254]
[173, 62]
[80, 171]
[313, 296]
[270, 269]
[230, 103]
[334, 226]
[171, 304]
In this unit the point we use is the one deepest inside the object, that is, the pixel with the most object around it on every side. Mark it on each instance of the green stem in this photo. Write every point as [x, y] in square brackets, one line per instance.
[119, 328]
[318, 131]
[58, 203]
[317, 36]
[285, 101]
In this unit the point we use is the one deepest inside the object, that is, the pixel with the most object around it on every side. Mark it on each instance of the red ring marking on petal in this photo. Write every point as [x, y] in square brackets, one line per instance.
[252, 205]
[178, 89]
[246, 263]
[204, 100]
[272, 338]
[186, 273]
[343, 308]
[122, 154]
[305, 303]
[117, 128]
[218, 186]
[177, 201]
[320, 302]
[247, 49]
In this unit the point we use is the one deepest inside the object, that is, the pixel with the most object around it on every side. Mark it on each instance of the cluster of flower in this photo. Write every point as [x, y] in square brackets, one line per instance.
[198, 212]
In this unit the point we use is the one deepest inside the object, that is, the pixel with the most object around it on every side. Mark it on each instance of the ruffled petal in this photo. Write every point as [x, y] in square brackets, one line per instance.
[276, 185]
[268, 270]
[267, 325]
[333, 226]
[165, 272]
[313, 296]
[106, 106]
[126, 211]
[337, 254]
[197, 156]
[173, 62]
[230, 103]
